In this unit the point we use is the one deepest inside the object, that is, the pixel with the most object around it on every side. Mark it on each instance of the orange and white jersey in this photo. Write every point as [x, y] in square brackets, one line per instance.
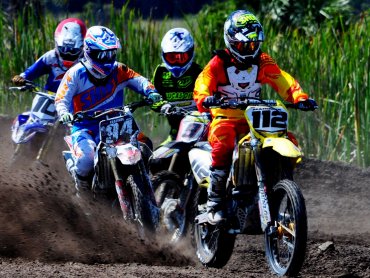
[230, 79]
[77, 93]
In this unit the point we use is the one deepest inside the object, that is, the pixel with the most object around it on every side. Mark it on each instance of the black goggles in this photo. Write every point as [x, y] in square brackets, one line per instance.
[104, 56]
[66, 50]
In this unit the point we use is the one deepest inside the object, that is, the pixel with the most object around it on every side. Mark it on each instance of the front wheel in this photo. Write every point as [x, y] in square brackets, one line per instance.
[214, 245]
[287, 239]
[142, 209]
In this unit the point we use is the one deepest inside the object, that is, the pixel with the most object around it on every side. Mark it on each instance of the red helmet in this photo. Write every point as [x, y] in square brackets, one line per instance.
[68, 37]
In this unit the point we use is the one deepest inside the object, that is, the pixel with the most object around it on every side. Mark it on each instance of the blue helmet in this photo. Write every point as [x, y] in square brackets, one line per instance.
[243, 35]
[100, 47]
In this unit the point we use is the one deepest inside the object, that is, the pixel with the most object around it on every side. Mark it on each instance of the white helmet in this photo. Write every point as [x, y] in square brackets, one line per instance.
[177, 51]
[68, 37]
[100, 46]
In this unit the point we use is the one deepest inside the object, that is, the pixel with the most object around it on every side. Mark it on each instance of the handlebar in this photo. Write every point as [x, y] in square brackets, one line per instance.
[89, 114]
[33, 87]
[242, 104]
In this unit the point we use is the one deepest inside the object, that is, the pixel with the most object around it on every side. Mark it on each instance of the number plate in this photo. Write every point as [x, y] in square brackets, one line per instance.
[117, 128]
[268, 119]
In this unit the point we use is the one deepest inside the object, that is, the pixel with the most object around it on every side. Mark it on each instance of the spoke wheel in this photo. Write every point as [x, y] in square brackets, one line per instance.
[286, 240]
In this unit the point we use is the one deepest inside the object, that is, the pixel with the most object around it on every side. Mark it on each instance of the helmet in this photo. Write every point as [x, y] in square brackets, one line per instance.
[100, 46]
[177, 51]
[68, 38]
[243, 35]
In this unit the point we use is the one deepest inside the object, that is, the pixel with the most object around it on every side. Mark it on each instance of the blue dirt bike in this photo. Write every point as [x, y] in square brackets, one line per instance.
[31, 130]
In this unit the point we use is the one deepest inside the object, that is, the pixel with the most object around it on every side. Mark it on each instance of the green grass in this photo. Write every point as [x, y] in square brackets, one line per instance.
[332, 66]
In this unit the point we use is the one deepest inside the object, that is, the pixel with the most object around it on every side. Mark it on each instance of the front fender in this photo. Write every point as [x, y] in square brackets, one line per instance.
[283, 146]
[128, 154]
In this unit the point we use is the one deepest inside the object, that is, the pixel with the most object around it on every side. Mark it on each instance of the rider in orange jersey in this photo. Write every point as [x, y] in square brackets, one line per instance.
[241, 68]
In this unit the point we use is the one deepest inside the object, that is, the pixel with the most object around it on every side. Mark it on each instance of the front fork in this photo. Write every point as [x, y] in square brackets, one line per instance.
[263, 204]
[123, 196]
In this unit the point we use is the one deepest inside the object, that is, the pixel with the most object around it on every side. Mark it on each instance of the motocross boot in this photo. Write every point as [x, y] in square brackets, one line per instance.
[81, 183]
[216, 207]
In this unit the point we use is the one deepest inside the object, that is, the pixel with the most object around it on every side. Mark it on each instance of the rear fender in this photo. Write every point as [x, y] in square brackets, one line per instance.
[200, 161]
[169, 149]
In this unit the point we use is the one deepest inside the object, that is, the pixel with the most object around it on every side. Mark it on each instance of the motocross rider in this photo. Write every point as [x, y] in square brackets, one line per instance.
[97, 82]
[68, 39]
[175, 77]
[241, 68]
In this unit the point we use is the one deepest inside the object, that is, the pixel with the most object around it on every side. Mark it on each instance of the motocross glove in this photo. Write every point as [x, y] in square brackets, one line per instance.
[66, 118]
[210, 101]
[166, 108]
[154, 97]
[307, 105]
[157, 106]
[19, 80]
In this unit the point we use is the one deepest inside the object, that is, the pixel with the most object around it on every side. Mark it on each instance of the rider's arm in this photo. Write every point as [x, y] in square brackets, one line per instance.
[65, 93]
[206, 82]
[39, 68]
[282, 82]
[135, 81]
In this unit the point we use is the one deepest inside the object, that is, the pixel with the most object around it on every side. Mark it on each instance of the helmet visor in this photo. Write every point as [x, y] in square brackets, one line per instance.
[245, 48]
[106, 56]
[177, 58]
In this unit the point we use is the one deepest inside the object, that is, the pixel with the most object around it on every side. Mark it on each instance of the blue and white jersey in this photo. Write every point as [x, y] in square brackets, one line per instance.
[47, 64]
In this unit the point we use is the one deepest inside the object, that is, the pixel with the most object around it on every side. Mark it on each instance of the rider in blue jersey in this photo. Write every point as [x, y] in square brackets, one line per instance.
[97, 82]
[68, 38]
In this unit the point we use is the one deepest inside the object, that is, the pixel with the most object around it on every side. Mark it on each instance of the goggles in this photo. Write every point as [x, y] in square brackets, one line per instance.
[245, 48]
[177, 58]
[66, 50]
[105, 56]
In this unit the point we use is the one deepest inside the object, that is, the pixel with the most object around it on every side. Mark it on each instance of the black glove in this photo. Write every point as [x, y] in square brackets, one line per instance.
[307, 105]
[210, 101]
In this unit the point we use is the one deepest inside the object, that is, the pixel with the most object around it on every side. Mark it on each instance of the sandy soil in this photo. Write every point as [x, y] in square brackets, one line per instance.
[46, 231]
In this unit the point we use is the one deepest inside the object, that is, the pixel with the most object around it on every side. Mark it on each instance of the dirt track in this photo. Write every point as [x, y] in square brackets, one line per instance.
[46, 231]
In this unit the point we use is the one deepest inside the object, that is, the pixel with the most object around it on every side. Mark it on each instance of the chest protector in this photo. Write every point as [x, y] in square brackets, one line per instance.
[241, 79]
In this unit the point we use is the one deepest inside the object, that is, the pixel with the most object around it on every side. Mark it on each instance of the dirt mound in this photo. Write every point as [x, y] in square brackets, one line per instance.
[47, 230]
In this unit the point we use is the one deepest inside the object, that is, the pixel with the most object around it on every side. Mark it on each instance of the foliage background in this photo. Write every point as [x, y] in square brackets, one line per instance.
[324, 44]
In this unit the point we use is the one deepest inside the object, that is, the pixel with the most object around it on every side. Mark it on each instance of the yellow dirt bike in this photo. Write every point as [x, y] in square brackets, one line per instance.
[262, 197]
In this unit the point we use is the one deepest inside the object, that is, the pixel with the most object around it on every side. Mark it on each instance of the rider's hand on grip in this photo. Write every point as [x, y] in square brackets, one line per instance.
[66, 118]
[210, 101]
[307, 105]
[154, 97]
[19, 80]
[165, 108]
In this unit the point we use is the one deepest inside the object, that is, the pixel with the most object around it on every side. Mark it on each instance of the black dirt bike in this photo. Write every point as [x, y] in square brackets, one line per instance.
[171, 172]
[261, 196]
[120, 172]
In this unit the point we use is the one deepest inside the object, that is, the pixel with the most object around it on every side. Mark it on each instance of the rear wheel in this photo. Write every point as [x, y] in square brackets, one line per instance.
[214, 245]
[286, 246]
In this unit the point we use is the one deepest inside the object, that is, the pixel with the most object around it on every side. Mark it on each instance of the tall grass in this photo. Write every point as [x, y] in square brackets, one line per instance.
[332, 66]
